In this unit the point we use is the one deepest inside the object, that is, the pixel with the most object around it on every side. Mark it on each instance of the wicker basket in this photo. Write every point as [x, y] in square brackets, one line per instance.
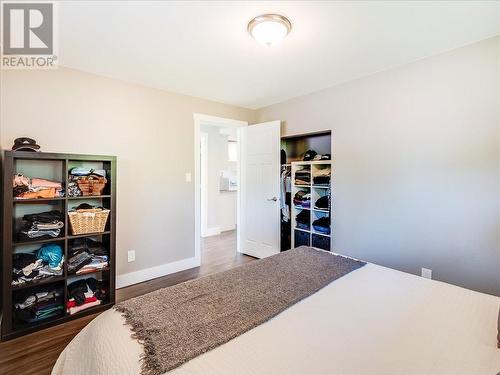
[91, 185]
[91, 220]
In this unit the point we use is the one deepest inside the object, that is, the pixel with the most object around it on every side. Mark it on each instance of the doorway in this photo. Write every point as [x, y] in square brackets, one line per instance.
[216, 185]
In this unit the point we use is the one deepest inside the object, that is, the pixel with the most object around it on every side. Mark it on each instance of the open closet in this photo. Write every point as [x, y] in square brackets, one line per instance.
[306, 185]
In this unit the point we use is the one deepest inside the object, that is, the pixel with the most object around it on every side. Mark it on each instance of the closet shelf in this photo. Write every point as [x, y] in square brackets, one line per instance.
[89, 197]
[319, 210]
[313, 162]
[38, 200]
[90, 310]
[105, 269]
[303, 230]
[60, 164]
[320, 234]
[88, 235]
[25, 329]
[42, 200]
[56, 239]
[38, 241]
[311, 237]
[44, 281]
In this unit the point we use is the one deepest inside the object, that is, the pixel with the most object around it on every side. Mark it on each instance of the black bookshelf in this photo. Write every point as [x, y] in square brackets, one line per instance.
[59, 164]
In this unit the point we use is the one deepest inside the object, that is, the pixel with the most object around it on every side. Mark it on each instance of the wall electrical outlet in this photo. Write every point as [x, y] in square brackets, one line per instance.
[427, 273]
[188, 177]
[131, 256]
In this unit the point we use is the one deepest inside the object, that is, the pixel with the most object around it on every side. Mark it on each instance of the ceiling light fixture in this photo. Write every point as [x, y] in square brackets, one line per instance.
[269, 29]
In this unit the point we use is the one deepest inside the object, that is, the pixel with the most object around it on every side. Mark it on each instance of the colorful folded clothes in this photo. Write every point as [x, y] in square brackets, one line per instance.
[76, 309]
[303, 177]
[78, 171]
[35, 306]
[26, 188]
[302, 199]
[43, 224]
[72, 302]
[45, 262]
[84, 294]
[97, 263]
[42, 183]
[322, 225]
[86, 255]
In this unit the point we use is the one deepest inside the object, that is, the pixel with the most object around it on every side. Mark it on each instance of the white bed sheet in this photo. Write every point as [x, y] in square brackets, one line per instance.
[374, 320]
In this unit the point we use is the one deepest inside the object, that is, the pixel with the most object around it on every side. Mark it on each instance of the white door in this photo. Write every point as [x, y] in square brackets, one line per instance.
[259, 205]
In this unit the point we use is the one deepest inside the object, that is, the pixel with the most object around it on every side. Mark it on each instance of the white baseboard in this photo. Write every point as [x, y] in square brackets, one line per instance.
[212, 232]
[154, 272]
[228, 228]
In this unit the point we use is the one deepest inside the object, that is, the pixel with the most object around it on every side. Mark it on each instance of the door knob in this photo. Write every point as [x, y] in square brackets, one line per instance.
[272, 199]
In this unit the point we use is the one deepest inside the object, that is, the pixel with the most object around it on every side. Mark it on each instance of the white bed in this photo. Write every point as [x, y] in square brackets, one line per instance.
[374, 320]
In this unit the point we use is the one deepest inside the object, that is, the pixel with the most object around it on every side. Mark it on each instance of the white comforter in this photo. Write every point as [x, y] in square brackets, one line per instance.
[372, 321]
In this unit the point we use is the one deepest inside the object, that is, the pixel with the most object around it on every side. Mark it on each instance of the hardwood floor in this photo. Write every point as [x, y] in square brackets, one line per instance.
[37, 353]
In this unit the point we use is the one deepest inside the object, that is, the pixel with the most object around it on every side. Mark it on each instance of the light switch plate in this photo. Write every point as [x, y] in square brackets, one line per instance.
[131, 256]
[188, 177]
[426, 273]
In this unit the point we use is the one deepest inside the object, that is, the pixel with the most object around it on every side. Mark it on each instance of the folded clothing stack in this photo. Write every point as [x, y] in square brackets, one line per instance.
[302, 220]
[322, 176]
[76, 174]
[302, 199]
[34, 306]
[303, 177]
[323, 203]
[84, 294]
[26, 188]
[43, 224]
[322, 225]
[86, 255]
[45, 262]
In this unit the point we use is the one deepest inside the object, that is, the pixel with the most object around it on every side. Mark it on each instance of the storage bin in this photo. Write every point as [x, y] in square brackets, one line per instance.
[301, 238]
[92, 220]
[91, 185]
[321, 242]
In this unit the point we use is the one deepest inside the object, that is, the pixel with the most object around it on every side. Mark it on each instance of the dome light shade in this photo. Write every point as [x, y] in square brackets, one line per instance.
[269, 29]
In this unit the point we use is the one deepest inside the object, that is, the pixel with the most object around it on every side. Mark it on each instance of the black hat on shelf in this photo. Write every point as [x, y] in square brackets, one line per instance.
[309, 155]
[25, 144]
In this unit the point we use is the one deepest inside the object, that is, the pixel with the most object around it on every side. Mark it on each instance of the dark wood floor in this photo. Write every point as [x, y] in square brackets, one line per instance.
[37, 353]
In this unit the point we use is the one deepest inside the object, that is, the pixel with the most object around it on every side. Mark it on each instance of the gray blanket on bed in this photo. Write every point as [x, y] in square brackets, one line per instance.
[178, 323]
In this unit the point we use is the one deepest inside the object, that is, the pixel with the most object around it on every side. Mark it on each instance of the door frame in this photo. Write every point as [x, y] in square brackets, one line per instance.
[203, 183]
[202, 119]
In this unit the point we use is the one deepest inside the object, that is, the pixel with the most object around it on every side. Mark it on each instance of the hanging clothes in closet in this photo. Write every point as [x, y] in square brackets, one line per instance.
[285, 203]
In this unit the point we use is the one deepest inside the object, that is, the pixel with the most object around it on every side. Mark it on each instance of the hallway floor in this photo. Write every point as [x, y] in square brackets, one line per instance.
[36, 354]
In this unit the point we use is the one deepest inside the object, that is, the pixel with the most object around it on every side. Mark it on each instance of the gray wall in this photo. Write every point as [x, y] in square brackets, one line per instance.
[150, 131]
[417, 164]
[416, 149]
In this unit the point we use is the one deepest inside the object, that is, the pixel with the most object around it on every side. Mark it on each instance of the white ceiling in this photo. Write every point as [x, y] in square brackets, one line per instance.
[203, 48]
